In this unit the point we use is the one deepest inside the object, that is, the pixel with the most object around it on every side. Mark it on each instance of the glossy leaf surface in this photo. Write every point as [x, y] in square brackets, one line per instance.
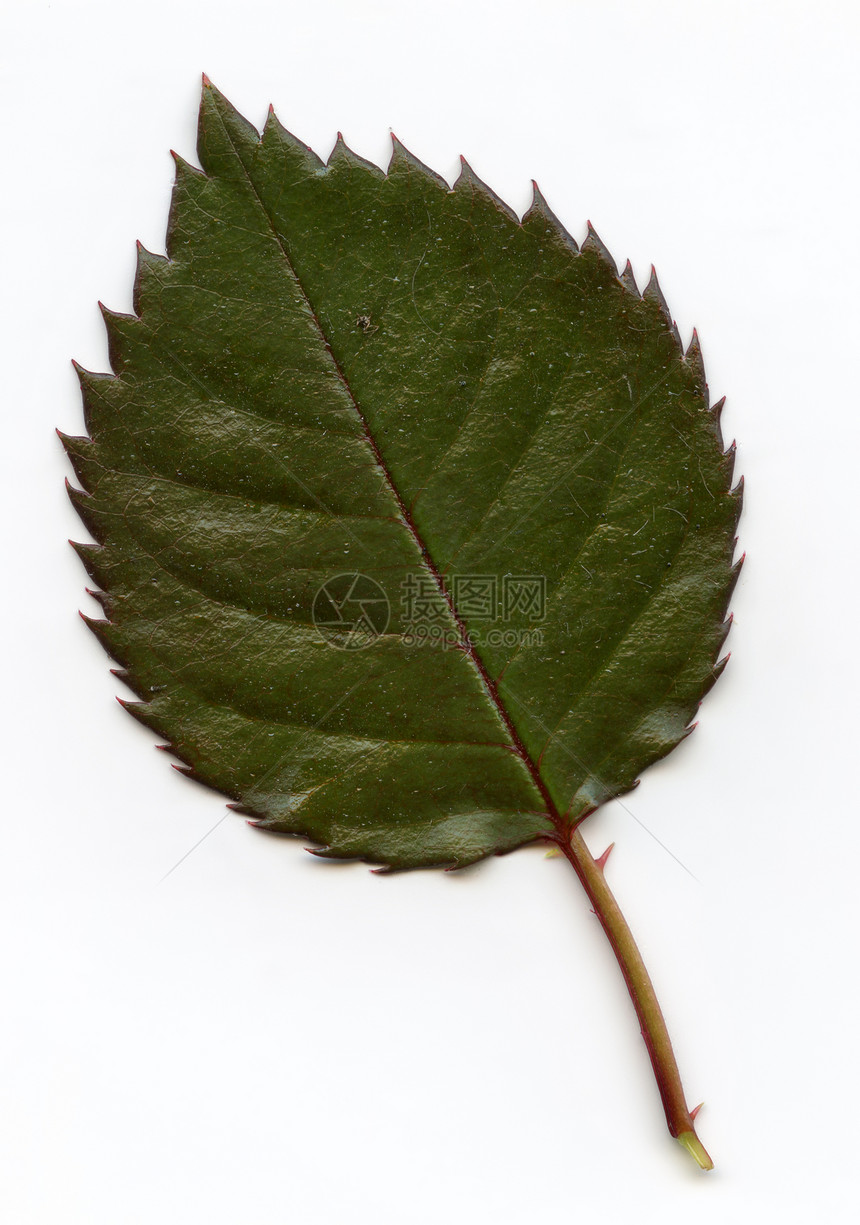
[342, 372]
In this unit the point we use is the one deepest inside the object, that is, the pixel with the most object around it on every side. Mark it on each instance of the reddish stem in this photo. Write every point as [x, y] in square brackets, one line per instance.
[654, 1031]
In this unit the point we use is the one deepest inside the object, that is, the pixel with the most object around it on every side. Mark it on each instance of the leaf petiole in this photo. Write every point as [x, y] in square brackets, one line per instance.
[654, 1031]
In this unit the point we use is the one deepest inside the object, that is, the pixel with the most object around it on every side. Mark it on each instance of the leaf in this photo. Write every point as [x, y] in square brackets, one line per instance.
[351, 404]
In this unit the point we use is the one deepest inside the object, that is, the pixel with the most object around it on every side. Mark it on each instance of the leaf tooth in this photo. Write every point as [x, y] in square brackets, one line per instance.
[183, 169]
[143, 712]
[321, 852]
[149, 258]
[653, 293]
[244, 811]
[628, 280]
[76, 447]
[274, 130]
[720, 667]
[696, 363]
[734, 575]
[467, 180]
[186, 183]
[117, 325]
[92, 394]
[728, 459]
[725, 626]
[83, 453]
[107, 602]
[88, 556]
[80, 499]
[737, 495]
[694, 355]
[103, 630]
[91, 557]
[145, 275]
[404, 161]
[539, 210]
[88, 378]
[341, 154]
[593, 242]
[716, 413]
[338, 149]
[728, 467]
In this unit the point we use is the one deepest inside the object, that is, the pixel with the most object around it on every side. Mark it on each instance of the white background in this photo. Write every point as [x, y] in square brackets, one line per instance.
[264, 1038]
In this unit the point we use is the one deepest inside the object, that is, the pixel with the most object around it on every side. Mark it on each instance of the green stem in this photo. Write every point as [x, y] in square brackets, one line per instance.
[654, 1031]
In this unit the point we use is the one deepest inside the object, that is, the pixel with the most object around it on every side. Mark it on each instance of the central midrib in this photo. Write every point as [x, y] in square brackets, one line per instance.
[466, 643]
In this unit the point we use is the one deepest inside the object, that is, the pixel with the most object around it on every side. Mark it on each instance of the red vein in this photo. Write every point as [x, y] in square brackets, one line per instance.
[466, 644]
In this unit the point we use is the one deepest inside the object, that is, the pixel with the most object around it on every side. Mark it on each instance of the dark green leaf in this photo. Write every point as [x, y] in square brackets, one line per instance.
[351, 404]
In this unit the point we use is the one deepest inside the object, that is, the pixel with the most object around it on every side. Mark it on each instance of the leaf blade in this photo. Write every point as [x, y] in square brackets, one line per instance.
[344, 365]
